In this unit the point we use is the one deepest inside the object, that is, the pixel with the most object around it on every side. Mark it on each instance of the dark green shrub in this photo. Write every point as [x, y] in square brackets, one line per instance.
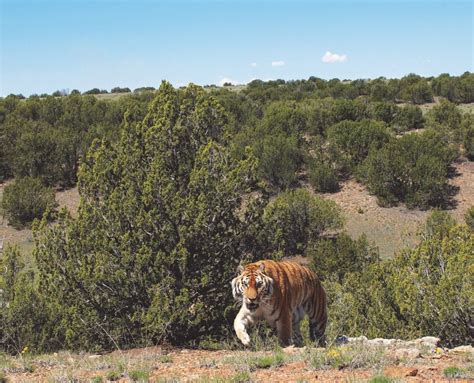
[468, 136]
[413, 169]
[333, 258]
[26, 318]
[351, 141]
[26, 199]
[446, 118]
[279, 158]
[323, 177]
[295, 218]
[407, 118]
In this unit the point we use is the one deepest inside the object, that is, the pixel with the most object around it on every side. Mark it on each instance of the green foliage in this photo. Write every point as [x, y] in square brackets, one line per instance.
[113, 375]
[333, 258]
[467, 132]
[278, 160]
[415, 89]
[139, 376]
[407, 118]
[381, 379]
[295, 218]
[160, 225]
[453, 372]
[413, 169]
[350, 141]
[423, 291]
[446, 118]
[438, 223]
[26, 318]
[275, 359]
[455, 89]
[323, 177]
[26, 199]
[469, 217]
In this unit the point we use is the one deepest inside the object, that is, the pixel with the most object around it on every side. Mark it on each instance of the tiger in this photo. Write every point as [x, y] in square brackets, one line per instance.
[281, 293]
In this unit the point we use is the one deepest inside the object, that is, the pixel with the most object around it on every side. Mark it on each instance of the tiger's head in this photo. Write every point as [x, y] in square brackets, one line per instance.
[252, 286]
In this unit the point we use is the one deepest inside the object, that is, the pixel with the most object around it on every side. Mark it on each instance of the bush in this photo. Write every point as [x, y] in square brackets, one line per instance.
[26, 199]
[279, 158]
[468, 136]
[351, 141]
[407, 118]
[423, 291]
[26, 319]
[295, 218]
[322, 177]
[446, 118]
[412, 169]
[333, 258]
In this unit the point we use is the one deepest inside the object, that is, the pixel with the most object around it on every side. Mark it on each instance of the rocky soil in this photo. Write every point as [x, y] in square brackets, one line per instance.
[360, 359]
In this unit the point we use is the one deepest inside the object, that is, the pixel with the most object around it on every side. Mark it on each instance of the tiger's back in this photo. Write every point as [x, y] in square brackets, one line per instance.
[280, 293]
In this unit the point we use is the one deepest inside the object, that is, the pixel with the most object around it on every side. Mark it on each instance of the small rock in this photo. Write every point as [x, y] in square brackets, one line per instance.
[406, 353]
[291, 349]
[360, 339]
[463, 349]
[430, 341]
[95, 356]
[412, 372]
[382, 341]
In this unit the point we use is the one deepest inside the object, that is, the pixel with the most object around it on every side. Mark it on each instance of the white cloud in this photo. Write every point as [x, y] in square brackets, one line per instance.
[278, 63]
[223, 80]
[333, 58]
[253, 64]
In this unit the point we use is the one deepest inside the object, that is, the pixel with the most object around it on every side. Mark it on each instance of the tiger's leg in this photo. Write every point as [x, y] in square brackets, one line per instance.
[283, 326]
[317, 313]
[317, 324]
[298, 314]
[241, 322]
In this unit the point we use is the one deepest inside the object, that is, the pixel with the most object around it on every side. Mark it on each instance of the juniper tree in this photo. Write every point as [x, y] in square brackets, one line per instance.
[158, 233]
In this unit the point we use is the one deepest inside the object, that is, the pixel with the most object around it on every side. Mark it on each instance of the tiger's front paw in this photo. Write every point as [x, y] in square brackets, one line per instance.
[245, 340]
[244, 337]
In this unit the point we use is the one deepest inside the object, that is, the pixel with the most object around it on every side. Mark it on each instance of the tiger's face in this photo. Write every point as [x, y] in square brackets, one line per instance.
[252, 286]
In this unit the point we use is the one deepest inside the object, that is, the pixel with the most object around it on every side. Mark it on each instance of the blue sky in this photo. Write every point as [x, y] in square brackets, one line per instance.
[51, 45]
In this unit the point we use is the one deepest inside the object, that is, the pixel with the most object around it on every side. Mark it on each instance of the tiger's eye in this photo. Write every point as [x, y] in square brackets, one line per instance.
[259, 284]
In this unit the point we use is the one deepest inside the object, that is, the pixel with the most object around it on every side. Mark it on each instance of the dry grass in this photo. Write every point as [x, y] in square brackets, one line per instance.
[349, 362]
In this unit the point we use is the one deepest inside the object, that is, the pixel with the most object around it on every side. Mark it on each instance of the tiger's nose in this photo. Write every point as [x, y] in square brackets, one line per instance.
[251, 294]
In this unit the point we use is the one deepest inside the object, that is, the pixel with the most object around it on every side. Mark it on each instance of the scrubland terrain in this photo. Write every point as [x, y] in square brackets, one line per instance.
[391, 228]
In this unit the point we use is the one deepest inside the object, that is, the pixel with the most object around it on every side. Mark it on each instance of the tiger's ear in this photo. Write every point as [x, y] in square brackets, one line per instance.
[240, 268]
[261, 267]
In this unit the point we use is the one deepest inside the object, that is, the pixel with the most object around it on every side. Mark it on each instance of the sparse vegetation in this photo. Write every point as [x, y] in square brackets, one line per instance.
[139, 376]
[26, 199]
[453, 372]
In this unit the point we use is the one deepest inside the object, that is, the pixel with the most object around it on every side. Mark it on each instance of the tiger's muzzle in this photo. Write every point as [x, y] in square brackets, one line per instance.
[251, 300]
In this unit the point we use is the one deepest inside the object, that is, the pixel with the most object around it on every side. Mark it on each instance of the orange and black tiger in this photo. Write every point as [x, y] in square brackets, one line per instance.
[280, 293]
